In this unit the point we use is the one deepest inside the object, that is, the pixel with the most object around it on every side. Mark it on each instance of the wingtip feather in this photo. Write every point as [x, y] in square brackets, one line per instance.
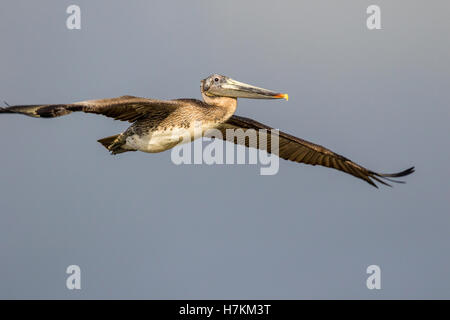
[388, 176]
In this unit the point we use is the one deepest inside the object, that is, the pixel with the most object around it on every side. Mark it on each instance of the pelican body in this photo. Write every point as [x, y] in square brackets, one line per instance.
[159, 125]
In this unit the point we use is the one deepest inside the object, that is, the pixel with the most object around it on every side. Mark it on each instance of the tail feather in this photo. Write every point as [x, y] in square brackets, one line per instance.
[113, 144]
[106, 142]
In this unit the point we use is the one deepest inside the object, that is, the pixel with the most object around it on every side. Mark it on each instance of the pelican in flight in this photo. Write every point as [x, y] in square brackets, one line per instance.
[158, 125]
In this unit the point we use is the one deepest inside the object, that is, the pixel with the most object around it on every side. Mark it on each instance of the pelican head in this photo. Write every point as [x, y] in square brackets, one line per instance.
[217, 85]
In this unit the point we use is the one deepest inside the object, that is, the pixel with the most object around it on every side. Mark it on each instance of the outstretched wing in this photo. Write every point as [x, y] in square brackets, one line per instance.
[125, 108]
[299, 150]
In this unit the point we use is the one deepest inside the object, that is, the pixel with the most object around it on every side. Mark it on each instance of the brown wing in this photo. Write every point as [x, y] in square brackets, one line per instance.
[299, 150]
[125, 108]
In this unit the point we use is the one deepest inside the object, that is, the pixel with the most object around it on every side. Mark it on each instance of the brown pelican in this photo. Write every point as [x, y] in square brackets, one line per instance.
[158, 125]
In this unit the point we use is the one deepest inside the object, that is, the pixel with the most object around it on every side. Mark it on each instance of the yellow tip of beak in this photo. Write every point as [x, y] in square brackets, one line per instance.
[283, 96]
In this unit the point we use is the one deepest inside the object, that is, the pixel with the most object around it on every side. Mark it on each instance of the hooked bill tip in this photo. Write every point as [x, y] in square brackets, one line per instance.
[282, 96]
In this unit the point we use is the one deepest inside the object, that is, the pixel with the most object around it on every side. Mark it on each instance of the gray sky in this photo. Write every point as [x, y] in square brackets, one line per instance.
[141, 227]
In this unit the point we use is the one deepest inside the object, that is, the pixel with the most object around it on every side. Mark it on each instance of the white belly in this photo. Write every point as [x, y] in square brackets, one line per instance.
[161, 140]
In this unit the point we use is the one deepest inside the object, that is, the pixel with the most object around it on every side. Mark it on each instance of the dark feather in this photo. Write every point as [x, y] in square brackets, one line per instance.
[299, 150]
[125, 108]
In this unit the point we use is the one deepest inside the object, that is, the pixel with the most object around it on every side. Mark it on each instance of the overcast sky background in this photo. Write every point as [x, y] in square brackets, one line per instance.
[141, 227]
